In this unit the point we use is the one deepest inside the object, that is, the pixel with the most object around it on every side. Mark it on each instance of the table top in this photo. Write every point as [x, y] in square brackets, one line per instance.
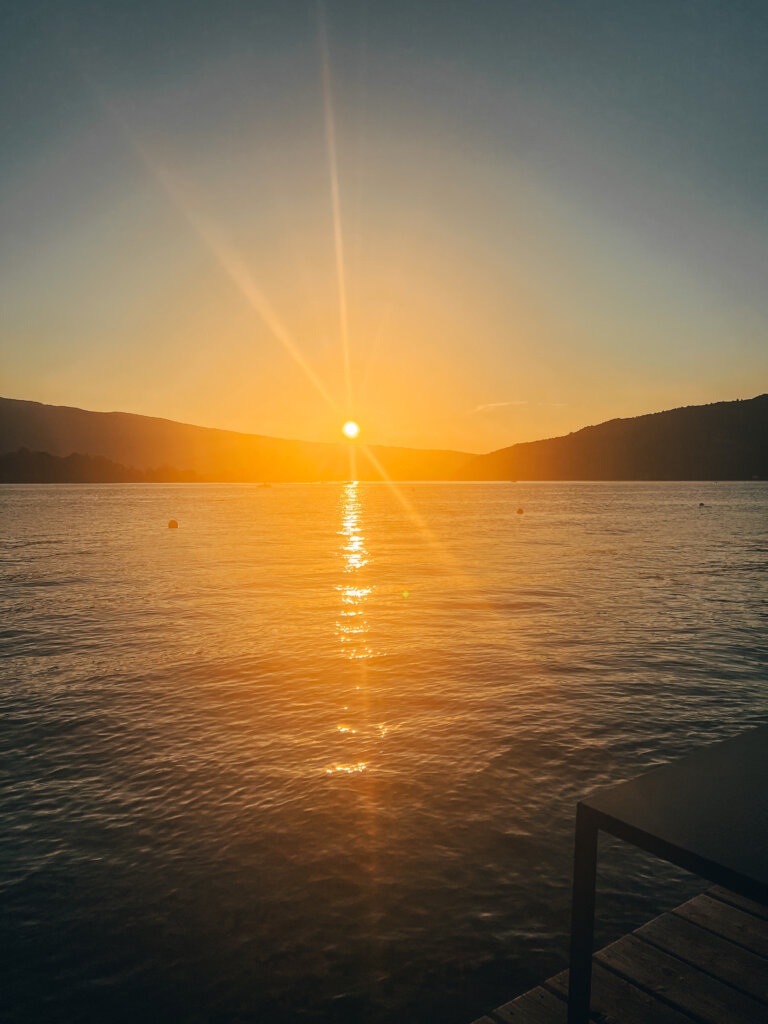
[707, 812]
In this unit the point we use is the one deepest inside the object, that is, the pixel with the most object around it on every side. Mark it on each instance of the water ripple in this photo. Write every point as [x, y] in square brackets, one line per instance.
[302, 760]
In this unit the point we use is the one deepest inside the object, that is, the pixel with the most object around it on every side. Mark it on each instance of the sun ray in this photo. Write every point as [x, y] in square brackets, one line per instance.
[413, 515]
[333, 170]
[230, 261]
[210, 234]
[446, 556]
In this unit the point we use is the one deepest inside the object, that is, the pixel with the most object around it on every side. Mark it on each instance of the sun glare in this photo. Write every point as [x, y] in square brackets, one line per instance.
[350, 429]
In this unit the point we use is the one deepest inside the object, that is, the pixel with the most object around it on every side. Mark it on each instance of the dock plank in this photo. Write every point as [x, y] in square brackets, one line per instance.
[617, 1001]
[706, 962]
[680, 984]
[711, 953]
[723, 919]
[535, 1007]
[726, 896]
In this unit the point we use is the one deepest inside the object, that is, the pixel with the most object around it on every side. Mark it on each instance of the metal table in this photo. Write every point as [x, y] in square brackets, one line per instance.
[707, 813]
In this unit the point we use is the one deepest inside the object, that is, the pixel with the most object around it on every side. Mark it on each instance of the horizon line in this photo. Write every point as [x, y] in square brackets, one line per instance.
[297, 440]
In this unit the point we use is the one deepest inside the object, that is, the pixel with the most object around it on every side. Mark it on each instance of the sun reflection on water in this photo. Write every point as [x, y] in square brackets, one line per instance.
[356, 731]
[351, 625]
[346, 769]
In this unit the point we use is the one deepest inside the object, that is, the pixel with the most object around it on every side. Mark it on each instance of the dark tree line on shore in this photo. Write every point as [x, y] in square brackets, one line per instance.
[26, 467]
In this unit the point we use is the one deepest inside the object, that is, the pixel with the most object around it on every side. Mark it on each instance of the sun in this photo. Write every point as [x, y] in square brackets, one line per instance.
[350, 429]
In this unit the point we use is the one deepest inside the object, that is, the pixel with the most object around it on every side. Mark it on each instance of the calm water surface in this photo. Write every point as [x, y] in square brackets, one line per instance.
[314, 755]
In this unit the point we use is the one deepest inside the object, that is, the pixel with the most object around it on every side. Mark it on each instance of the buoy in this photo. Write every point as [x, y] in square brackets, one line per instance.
[173, 525]
[519, 511]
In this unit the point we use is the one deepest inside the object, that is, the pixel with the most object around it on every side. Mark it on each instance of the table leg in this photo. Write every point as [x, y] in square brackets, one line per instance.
[582, 917]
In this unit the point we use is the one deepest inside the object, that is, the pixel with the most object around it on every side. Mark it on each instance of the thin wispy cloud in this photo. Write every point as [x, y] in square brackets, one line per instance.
[521, 401]
[496, 405]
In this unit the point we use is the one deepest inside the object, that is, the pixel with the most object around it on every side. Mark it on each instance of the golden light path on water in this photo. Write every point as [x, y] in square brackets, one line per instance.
[352, 625]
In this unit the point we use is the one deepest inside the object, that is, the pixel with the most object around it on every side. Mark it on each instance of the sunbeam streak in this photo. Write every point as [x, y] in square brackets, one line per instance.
[209, 233]
[333, 170]
[470, 585]
[413, 515]
[230, 261]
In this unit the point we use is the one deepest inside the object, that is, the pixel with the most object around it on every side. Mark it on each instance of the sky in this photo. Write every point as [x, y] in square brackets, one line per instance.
[463, 225]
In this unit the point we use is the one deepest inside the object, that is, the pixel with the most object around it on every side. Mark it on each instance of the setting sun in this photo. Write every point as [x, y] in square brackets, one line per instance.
[350, 429]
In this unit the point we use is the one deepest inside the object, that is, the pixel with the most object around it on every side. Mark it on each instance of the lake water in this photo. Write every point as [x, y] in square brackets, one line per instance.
[314, 755]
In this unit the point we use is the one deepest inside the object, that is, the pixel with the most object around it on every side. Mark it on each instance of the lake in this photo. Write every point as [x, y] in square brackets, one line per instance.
[314, 756]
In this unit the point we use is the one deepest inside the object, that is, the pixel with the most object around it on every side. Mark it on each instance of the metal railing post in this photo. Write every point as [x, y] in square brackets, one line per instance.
[582, 916]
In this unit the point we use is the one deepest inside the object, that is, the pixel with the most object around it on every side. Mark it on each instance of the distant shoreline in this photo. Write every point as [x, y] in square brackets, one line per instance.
[58, 444]
[37, 468]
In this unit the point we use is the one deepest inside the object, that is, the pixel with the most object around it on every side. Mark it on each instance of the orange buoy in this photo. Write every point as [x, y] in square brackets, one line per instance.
[173, 525]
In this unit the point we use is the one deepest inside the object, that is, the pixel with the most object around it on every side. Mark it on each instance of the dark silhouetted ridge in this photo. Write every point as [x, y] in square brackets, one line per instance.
[722, 441]
[40, 443]
[208, 454]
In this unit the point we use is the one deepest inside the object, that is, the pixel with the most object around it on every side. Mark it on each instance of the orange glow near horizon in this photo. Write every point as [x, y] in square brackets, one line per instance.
[350, 429]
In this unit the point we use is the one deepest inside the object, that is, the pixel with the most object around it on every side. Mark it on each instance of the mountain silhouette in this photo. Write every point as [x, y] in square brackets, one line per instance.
[722, 441]
[145, 443]
[46, 443]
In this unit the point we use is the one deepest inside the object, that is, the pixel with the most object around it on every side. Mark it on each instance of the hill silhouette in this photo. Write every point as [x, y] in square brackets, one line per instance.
[45, 443]
[722, 441]
[146, 443]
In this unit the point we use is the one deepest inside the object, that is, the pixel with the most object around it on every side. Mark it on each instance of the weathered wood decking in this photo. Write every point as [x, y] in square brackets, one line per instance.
[706, 961]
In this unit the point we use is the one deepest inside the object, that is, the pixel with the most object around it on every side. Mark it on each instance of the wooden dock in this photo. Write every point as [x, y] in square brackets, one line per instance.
[706, 961]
